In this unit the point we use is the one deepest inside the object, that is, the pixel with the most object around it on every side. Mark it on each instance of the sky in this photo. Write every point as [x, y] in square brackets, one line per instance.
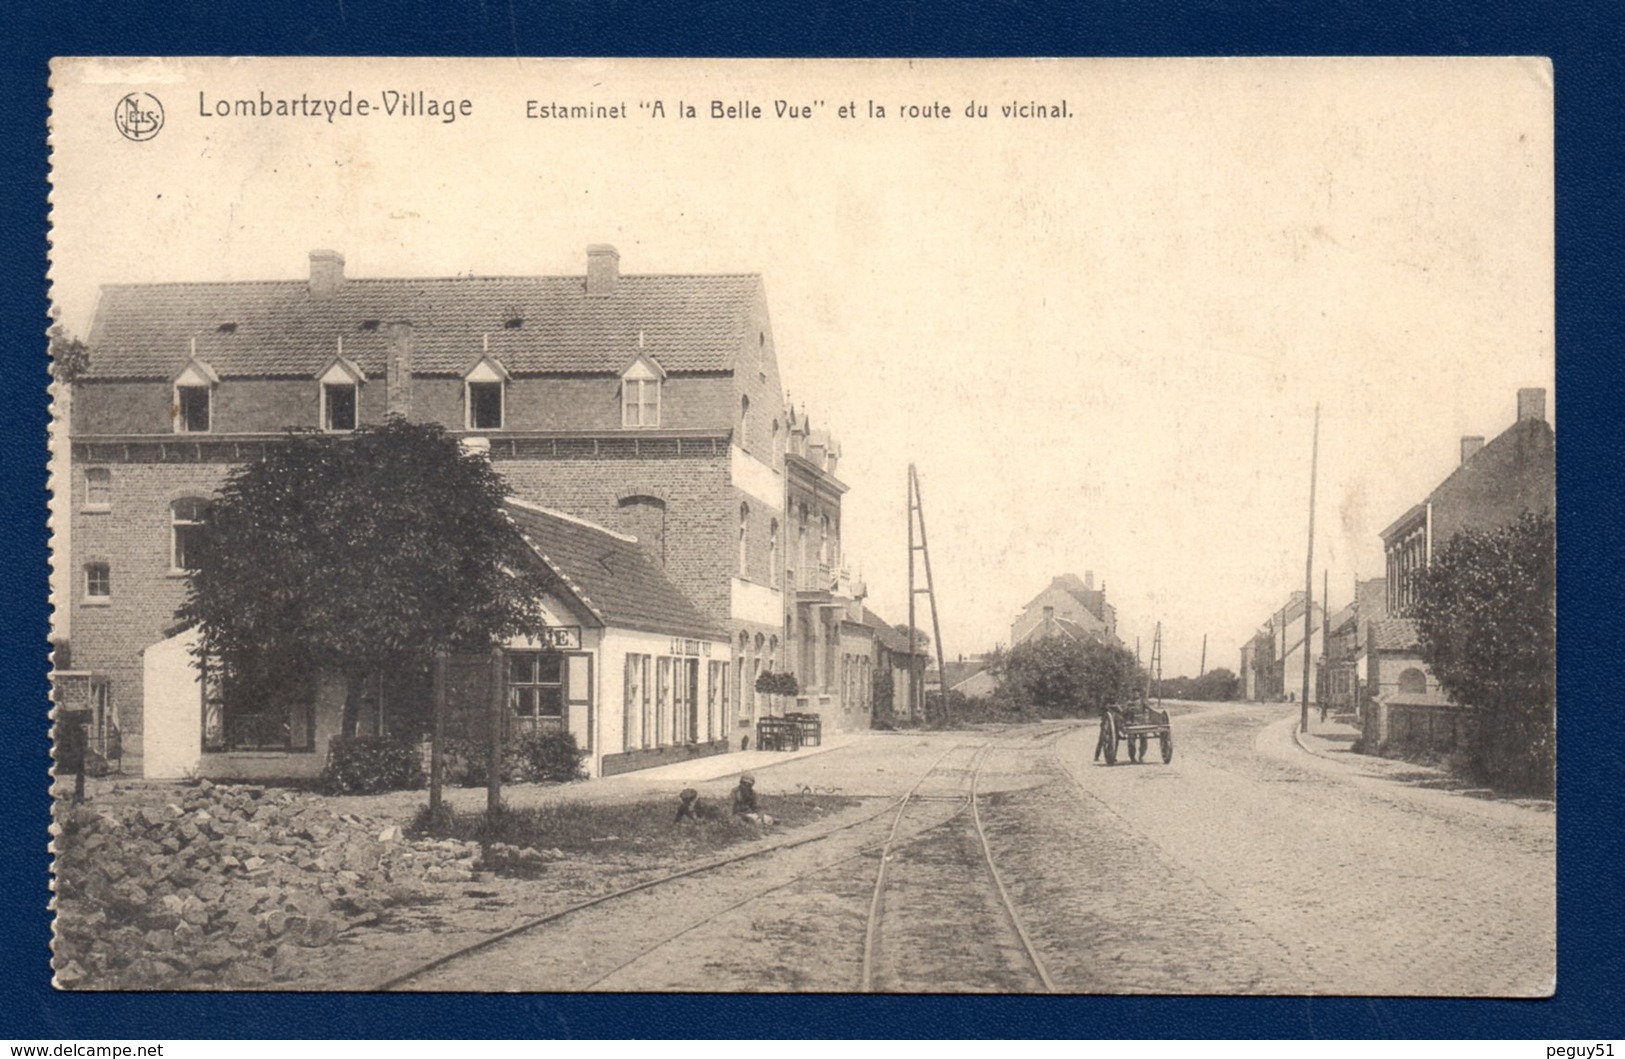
[1100, 338]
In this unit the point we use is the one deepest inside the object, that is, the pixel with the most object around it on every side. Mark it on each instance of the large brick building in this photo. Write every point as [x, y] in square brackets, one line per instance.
[1492, 486]
[650, 405]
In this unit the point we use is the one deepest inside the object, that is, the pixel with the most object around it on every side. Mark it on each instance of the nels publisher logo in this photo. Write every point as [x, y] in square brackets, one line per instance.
[138, 116]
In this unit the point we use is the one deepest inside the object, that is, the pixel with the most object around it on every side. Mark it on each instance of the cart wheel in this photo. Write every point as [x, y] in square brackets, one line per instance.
[1108, 739]
[1167, 741]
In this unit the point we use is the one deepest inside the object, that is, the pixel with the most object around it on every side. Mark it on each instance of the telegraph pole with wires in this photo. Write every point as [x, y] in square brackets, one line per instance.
[916, 514]
[1309, 577]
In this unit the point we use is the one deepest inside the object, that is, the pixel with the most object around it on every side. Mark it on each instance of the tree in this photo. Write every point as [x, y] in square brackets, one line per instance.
[363, 553]
[1486, 616]
[1216, 685]
[70, 358]
[1060, 677]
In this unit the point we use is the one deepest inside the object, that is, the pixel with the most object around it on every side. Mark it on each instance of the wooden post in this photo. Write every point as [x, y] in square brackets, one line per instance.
[437, 753]
[493, 748]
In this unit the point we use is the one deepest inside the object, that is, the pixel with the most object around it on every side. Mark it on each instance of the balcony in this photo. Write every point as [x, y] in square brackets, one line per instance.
[822, 584]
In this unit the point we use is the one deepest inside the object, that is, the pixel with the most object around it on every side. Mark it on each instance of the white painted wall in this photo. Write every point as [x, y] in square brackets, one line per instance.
[616, 644]
[762, 483]
[171, 709]
[757, 603]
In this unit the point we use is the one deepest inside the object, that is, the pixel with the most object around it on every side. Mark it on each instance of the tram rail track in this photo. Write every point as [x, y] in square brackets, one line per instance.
[1028, 947]
[896, 837]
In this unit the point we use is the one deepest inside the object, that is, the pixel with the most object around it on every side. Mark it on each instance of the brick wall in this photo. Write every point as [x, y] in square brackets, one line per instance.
[1512, 474]
[134, 538]
[756, 376]
[702, 510]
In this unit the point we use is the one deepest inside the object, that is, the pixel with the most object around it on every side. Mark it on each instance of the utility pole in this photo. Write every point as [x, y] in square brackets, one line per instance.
[1309, 577]
[916, 510]
[916, 689]
[1202, 669]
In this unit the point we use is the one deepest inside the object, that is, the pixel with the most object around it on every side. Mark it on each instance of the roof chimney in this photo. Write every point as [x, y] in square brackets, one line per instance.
[401, 344]
[1532, 404]
[1089, 580]
[326, 272]
[603, 269]
[1470, 444]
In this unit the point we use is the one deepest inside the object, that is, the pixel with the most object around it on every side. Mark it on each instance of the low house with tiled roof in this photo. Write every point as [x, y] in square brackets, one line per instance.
[1404, 698]
[647, 404]
[624, 662]
[1068, 606]
[898, 663]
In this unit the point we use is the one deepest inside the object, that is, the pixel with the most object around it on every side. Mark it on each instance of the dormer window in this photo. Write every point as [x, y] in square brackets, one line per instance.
[192, 407]
[341, 395]
[484, 398]
[640, 392]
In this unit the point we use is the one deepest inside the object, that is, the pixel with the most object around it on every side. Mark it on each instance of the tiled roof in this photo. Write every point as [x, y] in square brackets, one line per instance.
[892, 640]
[1395, 634]
[688, 323]
[610, 574]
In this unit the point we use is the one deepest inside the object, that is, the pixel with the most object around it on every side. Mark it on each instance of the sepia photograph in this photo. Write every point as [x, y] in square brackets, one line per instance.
[1001, 526]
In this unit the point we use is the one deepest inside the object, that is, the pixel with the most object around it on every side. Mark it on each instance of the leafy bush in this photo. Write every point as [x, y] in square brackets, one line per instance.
[370, 764]
[777, 683]
[527, 757]
[1057, 677]
[1486, 613]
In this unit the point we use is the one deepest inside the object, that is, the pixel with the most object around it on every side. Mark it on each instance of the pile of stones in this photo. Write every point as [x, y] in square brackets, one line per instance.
[226, 886]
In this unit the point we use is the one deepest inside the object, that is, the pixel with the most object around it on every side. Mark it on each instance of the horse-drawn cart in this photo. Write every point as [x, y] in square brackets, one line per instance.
[1135, 725]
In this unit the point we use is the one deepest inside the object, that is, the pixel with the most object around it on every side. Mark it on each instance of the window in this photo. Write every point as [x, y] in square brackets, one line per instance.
[635, 715]
[640, 403]
[773, 553]
[186, 519]
[685, 721]
[485, 406]
[744, 422]
[640, 390]
[338, 406]
[192, 409]
[98, 581]
[716, 698]
[744, 537]
[536, 687]
[99, 489]
[662, 699]
[483, 395]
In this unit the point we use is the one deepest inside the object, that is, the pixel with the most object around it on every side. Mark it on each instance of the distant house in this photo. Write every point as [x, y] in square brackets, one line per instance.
[1069, 607]
[897, 661]
[1339, 676]
[1275, 654]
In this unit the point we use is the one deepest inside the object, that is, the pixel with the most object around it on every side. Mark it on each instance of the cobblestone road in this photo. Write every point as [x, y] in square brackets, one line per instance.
[1247, 865]
[1251, 866]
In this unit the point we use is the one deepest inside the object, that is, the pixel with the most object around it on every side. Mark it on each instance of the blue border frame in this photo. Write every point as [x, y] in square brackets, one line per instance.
[1583, 40]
